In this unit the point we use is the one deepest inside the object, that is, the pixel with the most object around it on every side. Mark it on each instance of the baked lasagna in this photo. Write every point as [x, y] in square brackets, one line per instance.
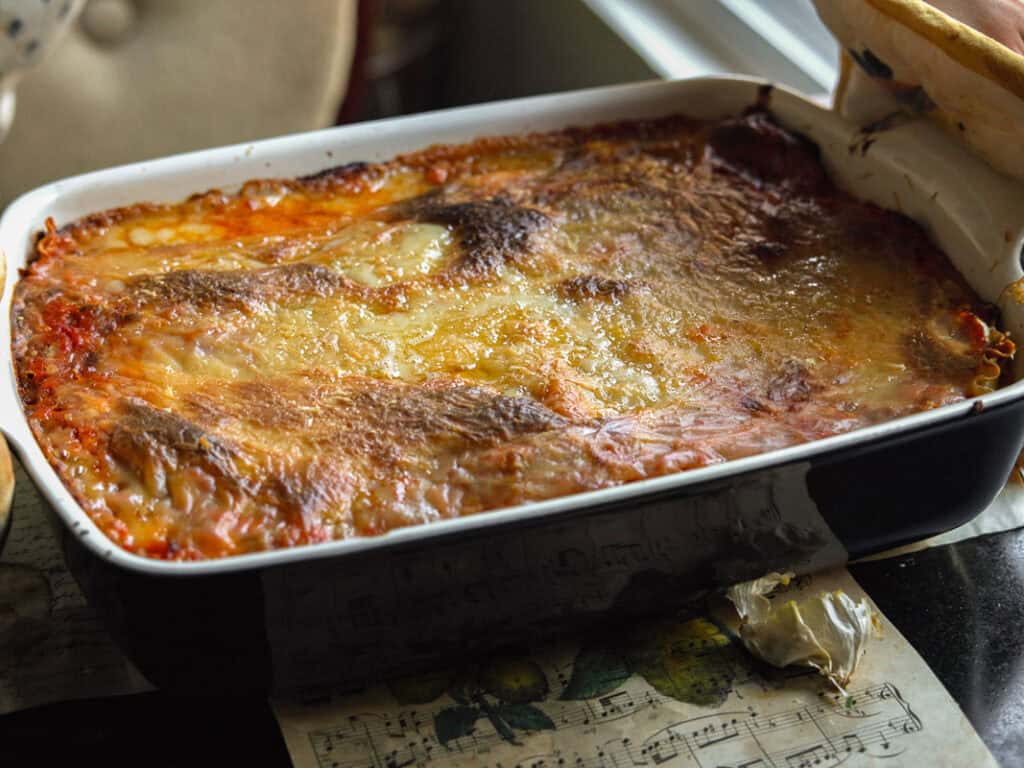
[476, 326]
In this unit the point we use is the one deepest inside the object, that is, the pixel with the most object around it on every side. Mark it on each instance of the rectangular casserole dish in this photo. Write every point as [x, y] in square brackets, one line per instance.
[344, 611]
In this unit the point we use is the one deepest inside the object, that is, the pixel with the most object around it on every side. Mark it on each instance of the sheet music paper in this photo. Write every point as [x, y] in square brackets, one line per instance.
[52, 646]
[897, 715]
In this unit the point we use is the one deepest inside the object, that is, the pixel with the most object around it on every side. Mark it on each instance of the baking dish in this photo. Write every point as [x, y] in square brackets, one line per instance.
[342, 611]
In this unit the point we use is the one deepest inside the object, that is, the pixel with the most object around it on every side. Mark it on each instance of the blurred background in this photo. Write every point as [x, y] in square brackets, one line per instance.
[480, 50]
[135, 79]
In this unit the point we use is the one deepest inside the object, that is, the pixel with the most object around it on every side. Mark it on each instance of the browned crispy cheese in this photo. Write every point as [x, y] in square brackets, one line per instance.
[476, 326]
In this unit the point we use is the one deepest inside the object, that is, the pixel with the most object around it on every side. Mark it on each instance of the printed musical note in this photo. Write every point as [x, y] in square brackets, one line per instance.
[403, 738]
[852, 743]
[712, 734]
[661, 751]
[793, 722]
[805, 758]
[615, 704]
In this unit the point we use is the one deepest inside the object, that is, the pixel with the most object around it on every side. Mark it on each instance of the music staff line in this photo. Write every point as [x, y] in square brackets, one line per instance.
[688, 741]
[370, 730]
[607, 709]
[830, 749]
[621, 753]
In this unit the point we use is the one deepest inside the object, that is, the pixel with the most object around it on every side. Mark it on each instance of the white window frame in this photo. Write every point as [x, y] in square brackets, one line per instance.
[781, 40]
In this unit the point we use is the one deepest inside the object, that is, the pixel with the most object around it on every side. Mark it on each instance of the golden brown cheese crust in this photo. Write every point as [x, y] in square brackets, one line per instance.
[476, 326]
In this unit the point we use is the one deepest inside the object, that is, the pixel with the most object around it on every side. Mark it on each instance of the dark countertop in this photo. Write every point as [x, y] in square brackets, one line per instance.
[961, 606]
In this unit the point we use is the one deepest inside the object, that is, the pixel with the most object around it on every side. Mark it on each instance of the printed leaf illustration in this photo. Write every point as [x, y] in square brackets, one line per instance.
[688, 660]
[515, 680]
[596, 671]
[420, 689]
[526, 717]
[455, 722]
[463, 685]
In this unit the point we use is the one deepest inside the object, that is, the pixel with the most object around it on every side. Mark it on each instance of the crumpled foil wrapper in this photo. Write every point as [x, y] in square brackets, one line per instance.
[827, 631]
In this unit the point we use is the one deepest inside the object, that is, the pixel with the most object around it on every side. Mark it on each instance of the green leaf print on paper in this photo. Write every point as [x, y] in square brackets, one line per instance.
[455, 722]
[420, 689]
[596, 671]
[514, 679]
[499, 691]
[688, 660]
[525, 717]
[686, 656]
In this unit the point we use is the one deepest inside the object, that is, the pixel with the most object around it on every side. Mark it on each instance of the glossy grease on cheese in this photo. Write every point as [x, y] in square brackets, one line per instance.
[476, 326]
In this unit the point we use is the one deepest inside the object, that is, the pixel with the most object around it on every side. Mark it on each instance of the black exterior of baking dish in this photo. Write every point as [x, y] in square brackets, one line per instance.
[347, 620]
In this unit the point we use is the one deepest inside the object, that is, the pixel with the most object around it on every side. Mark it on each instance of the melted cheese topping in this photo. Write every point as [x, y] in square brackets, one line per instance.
[476, 326]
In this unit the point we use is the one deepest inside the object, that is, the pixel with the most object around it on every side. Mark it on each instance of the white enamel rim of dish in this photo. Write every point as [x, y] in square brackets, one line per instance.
[973, 213]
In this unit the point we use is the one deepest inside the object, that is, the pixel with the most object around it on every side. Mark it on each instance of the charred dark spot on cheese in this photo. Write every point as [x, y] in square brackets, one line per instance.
[630, 131]
[792, 385]
[470, 415]
[304, 494]
[240, 288]
[359, 422]
[366, 414]
[768, 251]
[753, 405]
[337, 173]
[864, 224]
[781, 229]
[103, 219]
[583, 287]
[763, 152]
[153, 442]
[278, 252]
[489, 231]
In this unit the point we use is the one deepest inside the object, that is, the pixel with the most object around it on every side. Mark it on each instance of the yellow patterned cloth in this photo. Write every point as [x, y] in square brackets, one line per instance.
[906, 55]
